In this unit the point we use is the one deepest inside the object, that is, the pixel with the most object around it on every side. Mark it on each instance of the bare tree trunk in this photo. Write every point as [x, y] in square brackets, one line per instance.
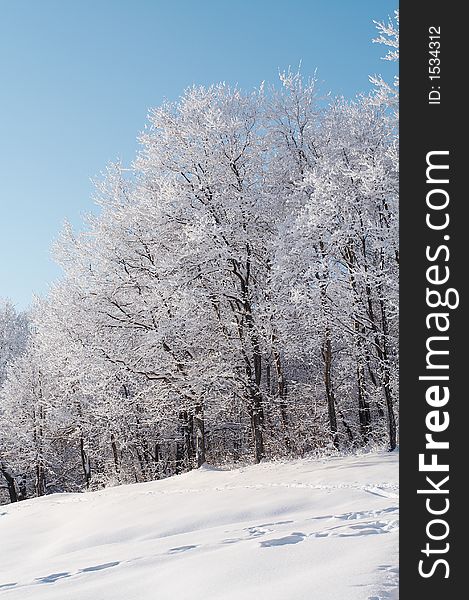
[327, 349]
[40, 483]
[256, 408]
[115, 453]
[331, 410]
[179, 457]
[381, 350]
[40, 480]
[85, 463]
[281, 387]
[257, 419]
[141, 463]
[282, 395]
[184, 445]
[199, 427]
[10, 483]
[22, 489]
[268, 377]
[380, 341]
[363, 405]
[386, 378]
[346, 426]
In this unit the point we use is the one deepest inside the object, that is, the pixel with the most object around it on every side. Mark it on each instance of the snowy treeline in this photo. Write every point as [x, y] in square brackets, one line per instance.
[14, 333]
[236, 297]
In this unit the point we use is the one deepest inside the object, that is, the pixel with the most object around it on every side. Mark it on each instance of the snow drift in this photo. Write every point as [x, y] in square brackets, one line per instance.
[301, 530]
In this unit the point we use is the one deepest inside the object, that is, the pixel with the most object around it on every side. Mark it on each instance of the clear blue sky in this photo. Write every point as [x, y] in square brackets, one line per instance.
[77, 78]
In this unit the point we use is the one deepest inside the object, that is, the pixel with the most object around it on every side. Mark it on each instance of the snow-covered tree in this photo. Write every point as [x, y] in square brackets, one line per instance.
[387, 94]
[14, 331]
[235, 297]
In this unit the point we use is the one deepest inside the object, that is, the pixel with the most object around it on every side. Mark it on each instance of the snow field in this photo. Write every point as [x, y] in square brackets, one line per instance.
[299, 530]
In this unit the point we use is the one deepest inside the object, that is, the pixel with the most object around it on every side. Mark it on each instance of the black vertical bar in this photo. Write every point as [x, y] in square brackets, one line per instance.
[432, 118]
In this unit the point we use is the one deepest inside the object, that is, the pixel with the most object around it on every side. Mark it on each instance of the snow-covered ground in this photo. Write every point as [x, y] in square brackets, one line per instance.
[300, 530]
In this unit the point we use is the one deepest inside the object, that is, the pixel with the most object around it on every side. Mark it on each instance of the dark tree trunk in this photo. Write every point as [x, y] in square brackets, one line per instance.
[391, 418]
[22, 489]
[199, 427]
[40, 483]
[184, 445]
[257, 410]
[141, 463]
[363, 405]
[331, 410]
[268, 378]
[381, 345]
[364, 414]
[186, 427]
[115, 453]
[10, 483]
[327, 348]
[40, 479]
[85, 463]
[386, 378]
[346, 426]
[179, 456]
[281, 387]
[282, 396]
[382, 353]
[147, 456]
[257, 419]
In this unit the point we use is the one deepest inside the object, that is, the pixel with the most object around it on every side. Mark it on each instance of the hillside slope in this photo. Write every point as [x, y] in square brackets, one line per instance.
[300, 530]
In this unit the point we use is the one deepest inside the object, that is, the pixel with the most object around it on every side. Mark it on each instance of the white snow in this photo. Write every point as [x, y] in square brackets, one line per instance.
[300, 530]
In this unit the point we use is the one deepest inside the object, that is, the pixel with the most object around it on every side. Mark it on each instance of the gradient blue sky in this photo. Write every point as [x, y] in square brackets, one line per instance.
[77, 78]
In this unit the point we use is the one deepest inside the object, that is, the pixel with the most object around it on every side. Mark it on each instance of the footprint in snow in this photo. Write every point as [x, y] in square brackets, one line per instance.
[294, 538]
[5, 586]
[53, 577]
[275, 523]
[180, 549]
[99, 567]
[256, 531]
